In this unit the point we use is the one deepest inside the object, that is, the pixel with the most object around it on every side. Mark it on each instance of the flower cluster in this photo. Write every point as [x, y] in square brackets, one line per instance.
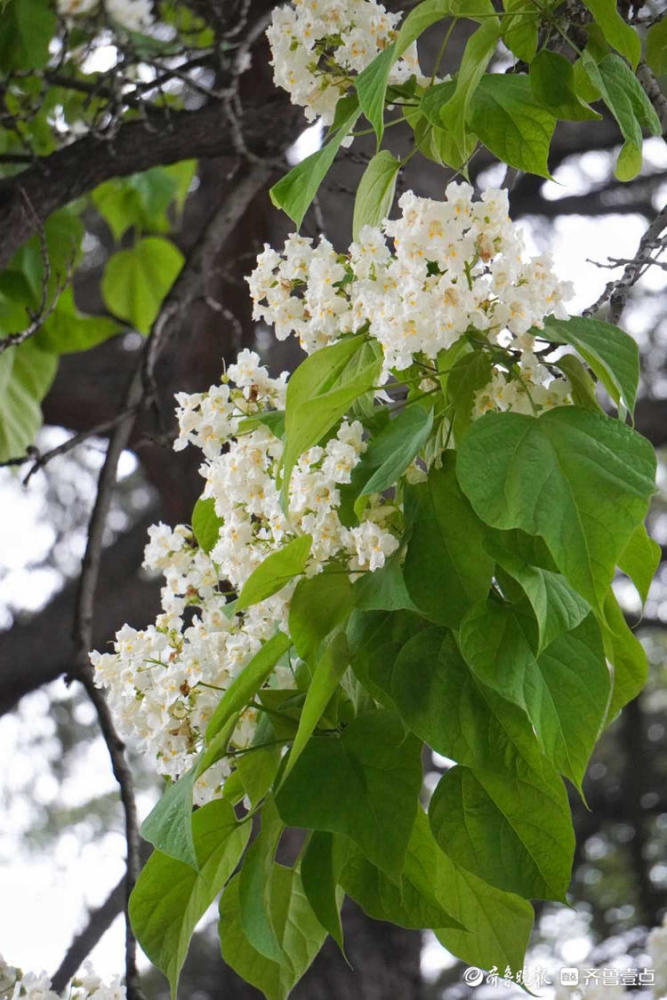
[15, 985]
[450, 267]
[318, 46]
[134, 15]
[165, 681]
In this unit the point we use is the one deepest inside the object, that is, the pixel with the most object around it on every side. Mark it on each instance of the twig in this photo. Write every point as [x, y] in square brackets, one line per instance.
[40, 460]
[45, 308]
[616, 292]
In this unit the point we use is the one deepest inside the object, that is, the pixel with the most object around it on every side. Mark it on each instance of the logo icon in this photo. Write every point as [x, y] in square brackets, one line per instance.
[473, 976]
[569, 977]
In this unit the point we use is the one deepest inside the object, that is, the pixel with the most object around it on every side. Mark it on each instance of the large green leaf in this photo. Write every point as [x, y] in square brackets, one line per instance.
[371, 86]
[511, 123]
[168, 826]
[326, 677]
[363, 783]
[610, 352]
[469, 374]
[626, 655]
[249, 681]
[322, 389]
[136, 281]
[512, 831]
[390, 452]
[26, 29]
[556, 606]
[553, 85]
[67, 330]
[447, 568]
[617, 32]
[318, 604]
[299, 931]
[476, 55]
[519, 28]
[397, 901]
[275, 571]
[640, 559]
[320, 876]
[294, 192]
[375, 193]
[26, 372]
[496, 924]
[656, 47]
[170, 896]
[497, 643]
[579, 479]
[384, 589]
[141, 200]
[255, 890]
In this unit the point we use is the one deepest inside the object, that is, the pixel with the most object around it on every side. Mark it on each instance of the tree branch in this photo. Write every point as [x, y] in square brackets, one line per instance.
[616, 292]
[164, 137]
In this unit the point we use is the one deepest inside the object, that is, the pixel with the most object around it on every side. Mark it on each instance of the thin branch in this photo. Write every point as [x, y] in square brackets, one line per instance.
[616, 292]
[45, 308]
[99, 922]
[39, 460]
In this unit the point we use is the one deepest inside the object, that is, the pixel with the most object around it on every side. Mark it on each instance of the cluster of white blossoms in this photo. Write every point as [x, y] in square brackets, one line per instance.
[318, 46]
[418, 283]
[16, 985]
[134, 15]
[165, 681]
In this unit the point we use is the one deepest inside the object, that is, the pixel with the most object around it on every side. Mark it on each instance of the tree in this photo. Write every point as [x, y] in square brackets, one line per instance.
[451, 557]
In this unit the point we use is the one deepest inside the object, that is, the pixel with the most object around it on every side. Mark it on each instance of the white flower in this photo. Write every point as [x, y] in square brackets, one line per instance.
[134, 15]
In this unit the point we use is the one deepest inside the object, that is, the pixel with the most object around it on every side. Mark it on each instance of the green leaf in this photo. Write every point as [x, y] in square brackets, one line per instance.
[446, 567]
[299, 932]
[168, 826]
[519, 29]
[136, 281]
[275, 571]
[371, 87]
[626, 655]
[577, 478]
[508, 120]
[496, 924]
[326, 677]
[620, 35]
[611, 353]
[513, 832]
[624, 96]
[640, 559]
[249, 681]
[170, 897]
[294, 192]
[391, 451]
[553, 85]
[364, 783]
[629, 162]
[581, 383]
[401, 902]
[320, 877]
[556, 606]
[142, 199]
[375, 193]
[26, 29]
[26, 372]
[322, 389]
[497, 643]
[255, 890]
[383, 590]
[656, 47]
[205, 523]
[318, 604]
[67, 330]
[476, 55]
[469, 374]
